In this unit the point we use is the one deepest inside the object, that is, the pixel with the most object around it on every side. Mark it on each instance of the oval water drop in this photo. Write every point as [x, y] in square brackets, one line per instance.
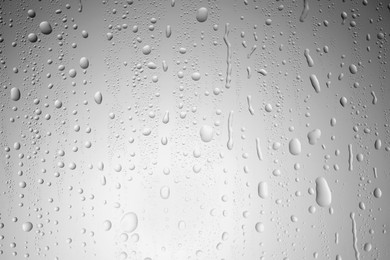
[202, 14]
[84, 63]
[295, 146]
[323, 193]
[165, 192]
[315, 83]
[129, 222]
[15, 94]
[98, 97]
[263, 189]
[206, 133]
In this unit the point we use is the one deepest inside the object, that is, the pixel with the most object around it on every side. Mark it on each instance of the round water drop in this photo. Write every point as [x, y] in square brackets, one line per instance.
[165, 192]
[32, 37]
[27, 226]
[353, 68]
[72, 73]
[294, 218]
[312, 209]
[58, 103]
[206, 133]
[129, 222]
[276, 172]
[31, 13]
[15, 94]
[195, 76]
[323, 193]
[123, 256]
[107, 225]
[202, 14]
[377, 193]
[313, 136]
[182, 50]
[84, 63]
[196, 153]
[146, 49]
[268, 108]
[295, 146]
[262, 189]
[259, 227]
[45, 27]
[98, 97]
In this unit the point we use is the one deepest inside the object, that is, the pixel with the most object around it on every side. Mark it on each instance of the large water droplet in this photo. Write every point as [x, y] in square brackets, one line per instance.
[45, 27]
[206, 133]
[98, 97]
[323, 193]
[202, 14]
[15, 94]
[129, 222]
[295, 146]
[27, 226]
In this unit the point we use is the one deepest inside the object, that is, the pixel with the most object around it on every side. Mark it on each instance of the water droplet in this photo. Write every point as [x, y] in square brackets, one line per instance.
[146, 131]
[263, 190]
[206, 133]
[165, 192]
[84, 63]
[378, 144]
[309, 59]
[313, 136]
[58, 103]
[31, 13]
[166, 117]
[129, 222]
[195, 76]
[295, 146]
[259, 227]
[27, 226]
[377, 192]
[98, 97]
[343, 101]
[323, 193]
[15, 94]
[315, 83]
[202, 14]
[353, 68]
[32, 37]
[107, 225]
[45, 27]
[146, 49]
[367, 247]
[268, 108]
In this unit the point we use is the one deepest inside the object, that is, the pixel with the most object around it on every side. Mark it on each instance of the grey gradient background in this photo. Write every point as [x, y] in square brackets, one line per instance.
[213, 206]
